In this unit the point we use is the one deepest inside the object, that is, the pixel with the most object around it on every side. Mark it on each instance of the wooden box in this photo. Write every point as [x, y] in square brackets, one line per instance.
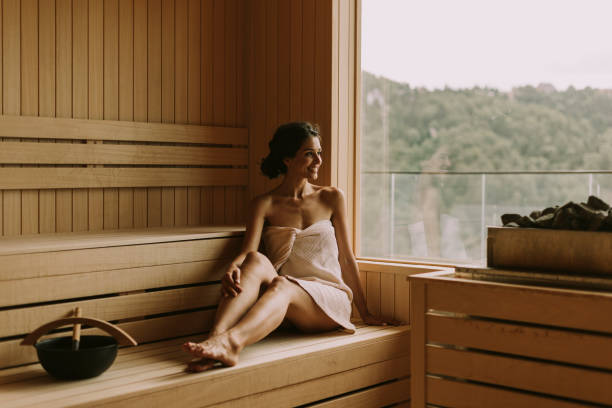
[559, 251]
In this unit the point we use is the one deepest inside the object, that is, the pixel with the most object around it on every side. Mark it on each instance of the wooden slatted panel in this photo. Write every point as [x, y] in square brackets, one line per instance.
[537, 376]
[120, 280]
[453, 393]
[561, 345]
[578, 310]
[327, 387]
[100, 59]
[41, 264]
[25, 320]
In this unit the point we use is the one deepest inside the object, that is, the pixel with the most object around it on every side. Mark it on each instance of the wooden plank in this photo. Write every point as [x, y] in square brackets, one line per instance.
[57, 128]
[241, 57]
[207, 81]
[296, 60]
[271, 76]
[140, 207]
[46, 101]
[402, 299]
[329, 386]
[46, 58]
[382, 395]
[167, 61]
[12, 353]
[573, 309]
[111, 59]
[154, 58]
[418, 307]
[230, 205]
[373, 292]
[387, 295]
[218, 205]
[48, 153]
[219, 51]
[454, 393]
[530, 375]
[544, 343]
[30, 178]
[29, 212]
[80, 102]
[63, 101]
[95, 259]
[154, 207]
[73, 241]
[96, 205]
[180, 206]
[284, 62]
[194, 61]
[167, 203]
[206, 203]
[96, 59]
[126, 207]
[324, 45]
[140, 61]
[230, 62]
[585, 252]
[111, 281]
[181, 61]
[25, 320]
[126, 60]
[1, 82]
[308, 61]
[11, 99]
[111, 208]
[193, 205]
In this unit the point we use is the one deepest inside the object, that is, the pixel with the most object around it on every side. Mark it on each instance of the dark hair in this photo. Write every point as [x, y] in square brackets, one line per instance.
[287, 140]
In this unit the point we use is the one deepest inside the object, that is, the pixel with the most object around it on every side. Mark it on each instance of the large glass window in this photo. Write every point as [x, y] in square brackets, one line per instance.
[476, 108]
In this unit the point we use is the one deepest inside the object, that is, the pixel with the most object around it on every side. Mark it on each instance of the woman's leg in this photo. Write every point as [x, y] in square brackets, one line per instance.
[256, 272]
[282, 299]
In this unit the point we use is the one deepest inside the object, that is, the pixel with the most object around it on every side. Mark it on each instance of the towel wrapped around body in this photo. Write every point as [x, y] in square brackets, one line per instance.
[309, 257]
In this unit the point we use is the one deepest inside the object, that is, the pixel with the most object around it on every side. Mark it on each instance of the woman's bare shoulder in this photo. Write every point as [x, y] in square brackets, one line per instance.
[330, 194]
[261, 203]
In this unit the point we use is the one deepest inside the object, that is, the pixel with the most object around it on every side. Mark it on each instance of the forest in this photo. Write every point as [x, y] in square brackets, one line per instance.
[466, 156]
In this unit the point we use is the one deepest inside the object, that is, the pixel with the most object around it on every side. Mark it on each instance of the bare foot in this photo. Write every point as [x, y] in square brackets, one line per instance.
[216, 349]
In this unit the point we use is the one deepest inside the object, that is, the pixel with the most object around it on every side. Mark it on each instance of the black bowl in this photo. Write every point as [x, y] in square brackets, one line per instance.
[94, 356]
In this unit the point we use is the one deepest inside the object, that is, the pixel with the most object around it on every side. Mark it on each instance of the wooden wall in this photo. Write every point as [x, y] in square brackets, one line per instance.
[169, 61]
[302, 59]
[289, 76]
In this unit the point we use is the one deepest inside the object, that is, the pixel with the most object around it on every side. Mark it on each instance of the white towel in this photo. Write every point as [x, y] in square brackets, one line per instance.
[309, 257]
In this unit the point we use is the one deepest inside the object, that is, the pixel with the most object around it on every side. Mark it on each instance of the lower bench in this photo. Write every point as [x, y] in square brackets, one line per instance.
[161, 286]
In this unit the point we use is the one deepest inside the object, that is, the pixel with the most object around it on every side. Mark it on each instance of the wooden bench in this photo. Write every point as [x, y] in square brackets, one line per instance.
[161, 286]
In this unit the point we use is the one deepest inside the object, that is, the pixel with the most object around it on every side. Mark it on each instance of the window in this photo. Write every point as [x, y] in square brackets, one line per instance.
[475, 108]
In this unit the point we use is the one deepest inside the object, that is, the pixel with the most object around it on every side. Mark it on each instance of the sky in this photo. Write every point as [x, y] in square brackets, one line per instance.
[493, 43]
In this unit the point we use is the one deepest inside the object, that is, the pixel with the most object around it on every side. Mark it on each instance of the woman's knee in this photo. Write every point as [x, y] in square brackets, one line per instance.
[258, 264]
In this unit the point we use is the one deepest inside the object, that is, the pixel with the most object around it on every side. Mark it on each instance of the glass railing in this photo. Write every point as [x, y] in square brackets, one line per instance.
[445, 215]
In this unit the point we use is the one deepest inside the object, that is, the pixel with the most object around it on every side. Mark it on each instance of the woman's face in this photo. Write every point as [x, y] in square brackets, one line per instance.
[307, 160]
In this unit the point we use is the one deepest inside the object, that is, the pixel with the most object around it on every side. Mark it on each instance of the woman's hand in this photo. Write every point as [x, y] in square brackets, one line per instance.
[230, 283]
[372, 320]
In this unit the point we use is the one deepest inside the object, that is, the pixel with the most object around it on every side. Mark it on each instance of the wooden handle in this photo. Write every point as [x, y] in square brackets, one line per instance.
[76, 331]
[122, 337]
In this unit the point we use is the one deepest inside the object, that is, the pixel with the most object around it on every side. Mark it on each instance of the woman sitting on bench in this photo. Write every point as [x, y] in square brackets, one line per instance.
[309, 258]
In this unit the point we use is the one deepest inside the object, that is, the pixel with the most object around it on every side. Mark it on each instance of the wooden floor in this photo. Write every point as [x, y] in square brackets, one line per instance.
[286, 369]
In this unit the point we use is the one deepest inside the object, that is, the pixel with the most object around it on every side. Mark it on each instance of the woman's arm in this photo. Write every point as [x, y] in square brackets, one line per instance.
[230, 283]
[348, 263]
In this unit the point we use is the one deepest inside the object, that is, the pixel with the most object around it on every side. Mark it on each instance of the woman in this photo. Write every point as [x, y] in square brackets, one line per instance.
[309, 258]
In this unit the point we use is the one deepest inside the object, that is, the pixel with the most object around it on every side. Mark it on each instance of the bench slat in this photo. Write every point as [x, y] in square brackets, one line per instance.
[382, 395]
[346, 381]
[15, 178]
[63, 153]
[60, 128]
[38, 265]
[24, 320]
[35, 290]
